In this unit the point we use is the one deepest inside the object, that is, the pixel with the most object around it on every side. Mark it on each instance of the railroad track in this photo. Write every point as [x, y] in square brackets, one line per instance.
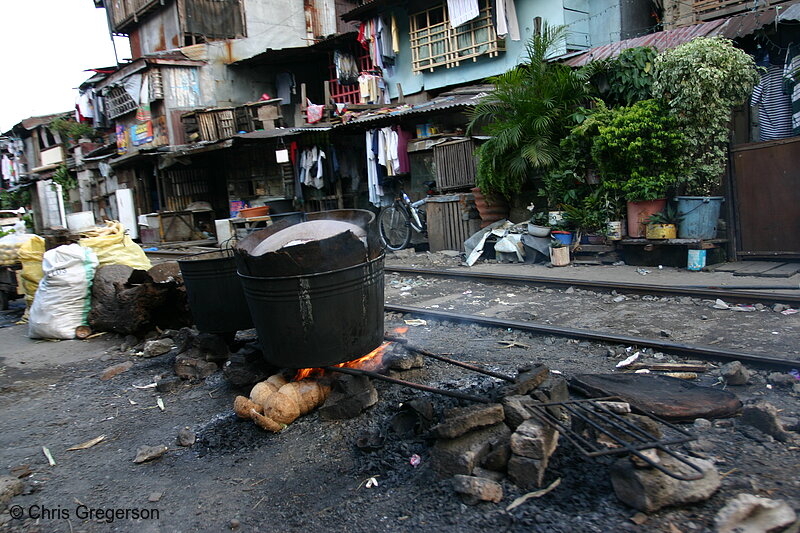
[741, 293]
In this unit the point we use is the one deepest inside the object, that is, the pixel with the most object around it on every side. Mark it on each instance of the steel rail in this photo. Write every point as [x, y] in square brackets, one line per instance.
[694, 350]
[404, 383]
[709, 291]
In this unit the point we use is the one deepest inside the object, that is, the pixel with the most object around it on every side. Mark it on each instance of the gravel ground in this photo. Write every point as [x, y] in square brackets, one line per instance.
[312, 476]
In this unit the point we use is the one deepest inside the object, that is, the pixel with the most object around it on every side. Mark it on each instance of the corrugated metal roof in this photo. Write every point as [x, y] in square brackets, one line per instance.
[433, 106]
[280, 132]
[663, 40]
[730, 28]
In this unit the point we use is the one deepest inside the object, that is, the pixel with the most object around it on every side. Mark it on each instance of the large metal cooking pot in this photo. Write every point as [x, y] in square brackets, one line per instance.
[317, 303]
[214, 292]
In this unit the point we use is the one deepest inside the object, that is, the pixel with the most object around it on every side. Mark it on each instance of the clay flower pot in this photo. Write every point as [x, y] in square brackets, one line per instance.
[490, 210]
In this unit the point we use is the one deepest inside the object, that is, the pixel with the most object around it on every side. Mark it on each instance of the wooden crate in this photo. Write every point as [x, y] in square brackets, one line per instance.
[455, 165]
[452, 219]
[226, 122]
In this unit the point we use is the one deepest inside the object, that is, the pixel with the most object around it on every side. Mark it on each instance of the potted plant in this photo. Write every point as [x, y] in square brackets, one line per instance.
[589, 219]
[663, 225]
[559, 253]
[636, 153]
[538, 225]
[701, 100]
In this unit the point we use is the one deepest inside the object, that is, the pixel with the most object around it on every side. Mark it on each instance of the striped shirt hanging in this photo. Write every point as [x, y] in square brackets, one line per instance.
[774, 105]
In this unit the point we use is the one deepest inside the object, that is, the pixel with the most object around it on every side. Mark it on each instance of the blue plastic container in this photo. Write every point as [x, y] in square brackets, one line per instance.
[699, 216]
[696, 260]
[564, 237]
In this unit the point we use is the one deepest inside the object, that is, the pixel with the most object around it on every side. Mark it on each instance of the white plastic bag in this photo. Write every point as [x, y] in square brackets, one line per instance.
[63, 298]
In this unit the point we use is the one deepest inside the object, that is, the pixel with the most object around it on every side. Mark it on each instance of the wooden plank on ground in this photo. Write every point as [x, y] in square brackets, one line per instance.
[725, 267]
[785, 270]
[754, 268]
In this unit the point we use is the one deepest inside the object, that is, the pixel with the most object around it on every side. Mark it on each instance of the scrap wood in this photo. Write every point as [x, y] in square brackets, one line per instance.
[670, 367]
[536, 494]
[87, 444]
[513, 344]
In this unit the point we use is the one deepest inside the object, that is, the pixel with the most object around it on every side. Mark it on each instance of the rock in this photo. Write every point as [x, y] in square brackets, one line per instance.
[148, 453]
[534, 439]
[169, 384]
[192, 368]
[476, 489]
[462, 420]
[528, 379]
[186, 437]
[763, 416]
[497, 459]
[402, 359]
[115, 370]
[246, 367]
[570, 290]
[527, 473]
[649, 489]
[553, 389]
[516, 410]
[157, 347]
[351, 395]
[9, 487]
[155, 497]
[235, 524]
[129, 342]
[461, 455]
[796, 388]
[781, 379]
[665, 333]
[735, 373]
[212, 346]
[750, 514]
[618, 299]
[702, 424]
[779, 307]
[494, 475]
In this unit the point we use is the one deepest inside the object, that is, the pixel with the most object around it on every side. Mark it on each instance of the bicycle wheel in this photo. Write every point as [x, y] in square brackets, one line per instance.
[395, 228]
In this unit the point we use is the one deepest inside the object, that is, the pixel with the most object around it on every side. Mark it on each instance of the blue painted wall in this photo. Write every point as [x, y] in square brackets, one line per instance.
[550, 11]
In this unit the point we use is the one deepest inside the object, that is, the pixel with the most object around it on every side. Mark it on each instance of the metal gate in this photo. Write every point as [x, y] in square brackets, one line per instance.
[766, 187]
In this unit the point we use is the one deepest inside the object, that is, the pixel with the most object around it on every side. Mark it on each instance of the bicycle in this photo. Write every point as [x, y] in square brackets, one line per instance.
[397, 221]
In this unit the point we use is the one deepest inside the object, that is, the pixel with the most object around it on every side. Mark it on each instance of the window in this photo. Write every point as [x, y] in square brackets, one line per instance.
[434, 43]
[119, 102]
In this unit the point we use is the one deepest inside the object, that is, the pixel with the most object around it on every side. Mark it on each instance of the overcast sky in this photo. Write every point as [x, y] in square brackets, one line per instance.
[47, 45]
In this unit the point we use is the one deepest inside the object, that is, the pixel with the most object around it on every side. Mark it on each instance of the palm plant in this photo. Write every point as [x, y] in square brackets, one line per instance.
[527, 114]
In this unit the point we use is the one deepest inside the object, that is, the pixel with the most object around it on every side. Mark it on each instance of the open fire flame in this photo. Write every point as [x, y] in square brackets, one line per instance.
[371, 361]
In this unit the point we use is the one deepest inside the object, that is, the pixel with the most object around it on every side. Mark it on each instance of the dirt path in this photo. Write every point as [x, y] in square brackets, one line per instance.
[311, 476]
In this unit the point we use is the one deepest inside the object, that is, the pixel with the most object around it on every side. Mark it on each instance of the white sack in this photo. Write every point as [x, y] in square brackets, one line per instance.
[63, 299]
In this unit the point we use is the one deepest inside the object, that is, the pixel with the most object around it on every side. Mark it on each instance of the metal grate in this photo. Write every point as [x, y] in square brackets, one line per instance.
[119, 102]
[622, 435]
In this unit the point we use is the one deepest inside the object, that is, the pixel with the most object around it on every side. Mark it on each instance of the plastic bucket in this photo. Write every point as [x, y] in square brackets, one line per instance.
[696, 260]
[214, 293]
[699, 216]
[318, 319]
[639, 214]
[564, 237]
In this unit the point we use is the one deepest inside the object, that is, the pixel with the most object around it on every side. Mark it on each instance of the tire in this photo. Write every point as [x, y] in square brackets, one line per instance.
[395, 228]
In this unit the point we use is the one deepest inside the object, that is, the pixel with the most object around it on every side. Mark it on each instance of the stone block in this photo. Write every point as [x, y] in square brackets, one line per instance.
[534, 439]
[516, 410]
[476, 489]
[460, 455]
[648, 489]
[527, 473]
[462, 420]
[763, 415]
[750, 514]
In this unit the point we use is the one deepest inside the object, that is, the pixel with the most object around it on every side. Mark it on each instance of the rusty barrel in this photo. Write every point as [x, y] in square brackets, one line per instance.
[214, 292]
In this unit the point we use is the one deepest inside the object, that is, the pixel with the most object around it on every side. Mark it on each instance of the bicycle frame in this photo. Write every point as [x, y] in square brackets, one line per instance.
[417, 222]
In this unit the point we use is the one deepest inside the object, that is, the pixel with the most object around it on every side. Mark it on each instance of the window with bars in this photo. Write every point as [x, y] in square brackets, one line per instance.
[434, 43]
[119, 102]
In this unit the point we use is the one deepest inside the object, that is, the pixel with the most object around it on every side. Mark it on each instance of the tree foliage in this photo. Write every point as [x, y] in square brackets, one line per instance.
[527, 114]
[630, 75]
[702, 81]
